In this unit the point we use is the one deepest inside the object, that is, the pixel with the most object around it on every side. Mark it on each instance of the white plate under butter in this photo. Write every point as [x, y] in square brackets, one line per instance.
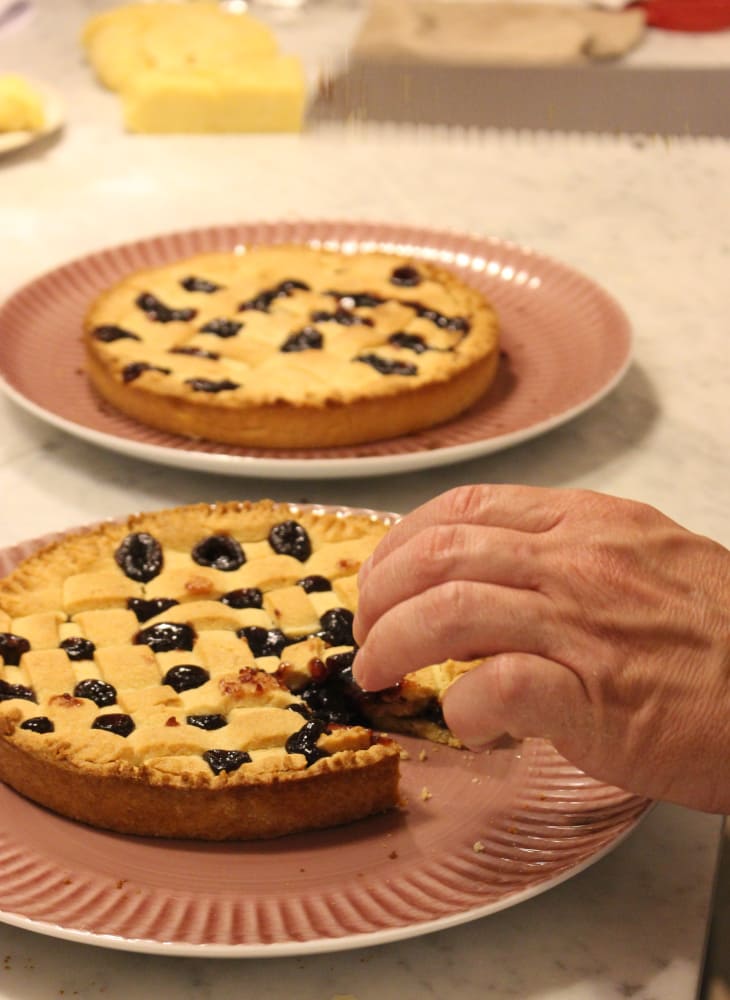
[54, 114]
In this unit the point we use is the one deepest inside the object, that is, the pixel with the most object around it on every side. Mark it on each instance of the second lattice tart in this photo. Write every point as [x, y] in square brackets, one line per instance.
[292, 346]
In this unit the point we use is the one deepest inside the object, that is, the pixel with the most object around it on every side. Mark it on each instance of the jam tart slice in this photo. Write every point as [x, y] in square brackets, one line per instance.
[413, 707]
[292, 346]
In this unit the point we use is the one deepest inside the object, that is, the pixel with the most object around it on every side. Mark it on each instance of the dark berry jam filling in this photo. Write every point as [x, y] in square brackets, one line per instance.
[146, 609]
[337, 627]
[211, 385]
[195, 284]
[289, 538]
[139, 557]
[333, 695]
[226, 760]
[107, 334]
[304, 741]
[387, 366]
[101, 693]
[219, 551]
[164, 636]
[306, 339]
[195, 352]
[434, 713]
[159, 312]
[458, 324]
[116, 722]
[38, 724]
[78, 648]
[186, 677]
[314, 584]
[357, 300]
[302, 710]
[207, 722]
[344, 317]
[340, 664]
[12, 647]
[222, 327]
[411, 341]
[9, 691]
[244, 597]
[263, 641]
[262, 302]
[134, 369]
[330, 703]
[405, 276]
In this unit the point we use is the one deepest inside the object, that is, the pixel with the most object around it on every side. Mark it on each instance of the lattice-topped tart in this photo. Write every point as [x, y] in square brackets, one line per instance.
[292, 346]
[187, 673]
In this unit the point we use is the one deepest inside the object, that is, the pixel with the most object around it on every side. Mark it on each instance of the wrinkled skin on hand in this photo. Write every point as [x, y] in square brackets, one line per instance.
[604, 627]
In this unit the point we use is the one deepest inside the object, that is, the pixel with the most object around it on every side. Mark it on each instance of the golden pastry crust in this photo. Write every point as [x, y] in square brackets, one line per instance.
[292, 346]
[356, 785]
[150, 672]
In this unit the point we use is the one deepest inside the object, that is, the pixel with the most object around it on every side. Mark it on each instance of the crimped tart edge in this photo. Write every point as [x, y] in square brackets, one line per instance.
[364, 783]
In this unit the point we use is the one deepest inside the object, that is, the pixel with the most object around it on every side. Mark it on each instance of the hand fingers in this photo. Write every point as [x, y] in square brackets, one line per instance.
[523, 508]
[520, 695]
[445, 552]
[460, 620]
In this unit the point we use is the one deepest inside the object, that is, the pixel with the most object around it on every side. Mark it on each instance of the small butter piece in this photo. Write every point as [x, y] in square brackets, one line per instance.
[264, 95]
[21, 105]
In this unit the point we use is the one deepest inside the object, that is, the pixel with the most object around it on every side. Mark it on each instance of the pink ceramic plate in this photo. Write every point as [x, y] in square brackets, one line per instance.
[566, 344]
[479, 833]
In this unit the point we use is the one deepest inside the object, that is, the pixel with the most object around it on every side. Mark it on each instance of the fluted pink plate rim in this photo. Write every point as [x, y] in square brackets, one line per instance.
[478, 833]
[566, 344]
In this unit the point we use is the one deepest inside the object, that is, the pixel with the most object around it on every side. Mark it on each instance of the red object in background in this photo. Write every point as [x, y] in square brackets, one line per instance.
[688, 15]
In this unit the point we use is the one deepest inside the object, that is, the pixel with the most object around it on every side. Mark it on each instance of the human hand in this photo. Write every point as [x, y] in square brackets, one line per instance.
[604, 625]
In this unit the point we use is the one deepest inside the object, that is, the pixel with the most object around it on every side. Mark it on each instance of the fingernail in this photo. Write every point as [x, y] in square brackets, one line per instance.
[357, 673]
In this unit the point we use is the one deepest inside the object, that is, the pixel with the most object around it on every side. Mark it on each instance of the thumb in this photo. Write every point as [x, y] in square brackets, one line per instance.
[517, 694]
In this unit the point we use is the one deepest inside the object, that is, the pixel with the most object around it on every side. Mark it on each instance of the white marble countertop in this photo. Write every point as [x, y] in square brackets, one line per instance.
[648, 219]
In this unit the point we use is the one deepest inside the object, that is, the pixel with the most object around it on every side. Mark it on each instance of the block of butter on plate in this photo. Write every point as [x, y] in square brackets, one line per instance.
[259, 96]
[195, 67]
[21, 105]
